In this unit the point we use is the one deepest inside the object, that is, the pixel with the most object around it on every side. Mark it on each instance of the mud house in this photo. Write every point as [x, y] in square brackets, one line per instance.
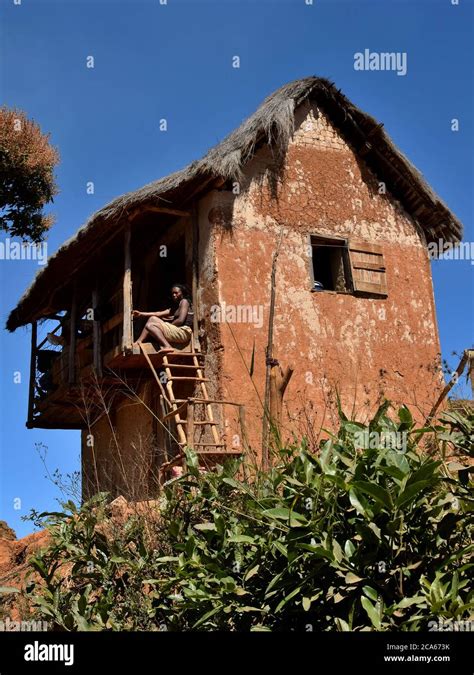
[308, 175]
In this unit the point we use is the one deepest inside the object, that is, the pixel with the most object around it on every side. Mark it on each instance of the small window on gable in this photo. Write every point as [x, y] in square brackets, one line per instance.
[330, 264]
[367, 268]
[348, 266]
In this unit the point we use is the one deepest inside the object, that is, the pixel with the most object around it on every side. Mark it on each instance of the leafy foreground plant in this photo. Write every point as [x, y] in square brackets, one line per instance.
[374, 538]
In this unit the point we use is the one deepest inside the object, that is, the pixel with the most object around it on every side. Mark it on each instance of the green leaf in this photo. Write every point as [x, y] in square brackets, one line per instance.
[370, 592]
[342, 625]
[405, 416]
[252, 572]
[306, 604]
[371, 612]
[207, 616]
[287, 599]
[425, 472]
[318, 551]
[349, 548]
[281, 547]
[293, 518]
[8, 589]
[379, 493]
[241, 539]
[411, 492]
[237, 485]
[352, 578]
[356, 503]
[337, 550]
[408, 602]
[39, 565]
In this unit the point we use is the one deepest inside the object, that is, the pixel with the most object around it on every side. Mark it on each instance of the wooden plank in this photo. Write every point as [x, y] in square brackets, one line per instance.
[96, 334]
[169, 389]
[362, 270]
[190, 424]
[166, 210]
[183, 365]
[199, 423]
[32, 383]
[373, 288]
[163, 415]
[195, 272]
[173, 413]
[178, 352]
[72, 340]
[374, 267]
[127, 335]
[158, 381]
[189, 379]
[84, 343]
[112, 323]
[38, 424]
[213, 400]
[52, 332]
[205, 395]
[365, 247]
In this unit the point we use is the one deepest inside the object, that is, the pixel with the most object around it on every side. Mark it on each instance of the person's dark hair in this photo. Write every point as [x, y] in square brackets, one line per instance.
[184, 290]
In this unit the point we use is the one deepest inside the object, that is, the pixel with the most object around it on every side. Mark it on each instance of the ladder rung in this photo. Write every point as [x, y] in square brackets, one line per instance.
[215, 424]
[184, 365]
[190, 379]
[181, 354]
[173, 413]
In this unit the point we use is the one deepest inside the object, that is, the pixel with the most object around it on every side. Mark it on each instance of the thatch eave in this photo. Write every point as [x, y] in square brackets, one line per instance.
[272, 122]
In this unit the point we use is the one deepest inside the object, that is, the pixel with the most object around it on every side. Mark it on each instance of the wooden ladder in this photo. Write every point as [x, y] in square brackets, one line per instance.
[183, 410]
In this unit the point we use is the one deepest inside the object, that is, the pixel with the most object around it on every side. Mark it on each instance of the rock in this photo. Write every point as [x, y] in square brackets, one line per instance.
[6, 531]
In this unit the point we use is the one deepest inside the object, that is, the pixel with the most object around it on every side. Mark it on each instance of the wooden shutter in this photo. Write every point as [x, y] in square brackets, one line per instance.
[368, 268]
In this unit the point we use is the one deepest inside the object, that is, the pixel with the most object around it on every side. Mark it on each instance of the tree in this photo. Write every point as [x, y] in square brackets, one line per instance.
[27, 183]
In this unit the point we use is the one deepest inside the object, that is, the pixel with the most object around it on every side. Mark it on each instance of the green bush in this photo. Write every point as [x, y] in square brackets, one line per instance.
[350, 538]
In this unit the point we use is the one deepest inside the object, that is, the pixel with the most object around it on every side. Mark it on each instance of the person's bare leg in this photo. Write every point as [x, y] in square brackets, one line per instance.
[154, 330]
[143, 335]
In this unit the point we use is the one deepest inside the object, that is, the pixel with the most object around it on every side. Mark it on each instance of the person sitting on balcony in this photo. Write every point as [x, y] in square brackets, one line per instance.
[170, 325]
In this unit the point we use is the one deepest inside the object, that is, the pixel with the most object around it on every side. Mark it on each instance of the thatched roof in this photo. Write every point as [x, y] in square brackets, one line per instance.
[273, 122]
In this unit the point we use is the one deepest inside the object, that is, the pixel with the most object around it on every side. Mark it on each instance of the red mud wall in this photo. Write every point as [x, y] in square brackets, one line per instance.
[367, 348]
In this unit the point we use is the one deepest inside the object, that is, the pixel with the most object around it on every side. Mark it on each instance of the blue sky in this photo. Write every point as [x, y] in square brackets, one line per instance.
[174, 61]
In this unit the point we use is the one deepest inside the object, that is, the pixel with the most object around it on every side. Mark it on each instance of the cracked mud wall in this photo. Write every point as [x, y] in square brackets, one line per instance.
[366, 348]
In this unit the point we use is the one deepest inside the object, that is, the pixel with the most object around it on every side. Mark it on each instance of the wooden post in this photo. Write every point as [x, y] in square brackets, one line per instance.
[127, 335]
[166, 436]
[190, 424]
[269, 358]
[195, 281]
[278, 383]
[97, 333]
[32, 383]
[72, 339]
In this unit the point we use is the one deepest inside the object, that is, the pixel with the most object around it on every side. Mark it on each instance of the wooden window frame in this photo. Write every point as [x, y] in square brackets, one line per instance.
[354, 268]
[361, 286]
[313, 240]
